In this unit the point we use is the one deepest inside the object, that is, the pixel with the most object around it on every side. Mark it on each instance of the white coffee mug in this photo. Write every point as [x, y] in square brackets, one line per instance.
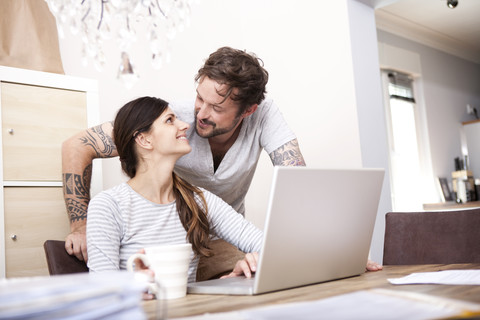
[170, 264]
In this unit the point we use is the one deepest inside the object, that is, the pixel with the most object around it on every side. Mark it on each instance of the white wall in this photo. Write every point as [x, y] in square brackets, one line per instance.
[371, 116]
[449, 84]
[306, 47]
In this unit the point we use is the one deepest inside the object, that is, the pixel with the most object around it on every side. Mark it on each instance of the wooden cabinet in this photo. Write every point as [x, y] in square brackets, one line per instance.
[32, 215]
[35, 122]
[38, 112]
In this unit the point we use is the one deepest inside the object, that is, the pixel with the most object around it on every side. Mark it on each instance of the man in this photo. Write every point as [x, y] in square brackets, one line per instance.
[231, 122]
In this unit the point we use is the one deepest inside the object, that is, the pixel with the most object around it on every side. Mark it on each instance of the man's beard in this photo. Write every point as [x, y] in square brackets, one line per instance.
[215, 131]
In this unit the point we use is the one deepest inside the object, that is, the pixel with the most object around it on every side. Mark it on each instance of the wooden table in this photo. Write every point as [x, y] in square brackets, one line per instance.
[194, 304]
[451, 205]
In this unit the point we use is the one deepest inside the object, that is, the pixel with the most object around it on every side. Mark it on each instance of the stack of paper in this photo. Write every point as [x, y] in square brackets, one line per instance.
[112, 295]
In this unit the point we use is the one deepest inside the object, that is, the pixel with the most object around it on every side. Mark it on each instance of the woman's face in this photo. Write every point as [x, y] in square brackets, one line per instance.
[168, 134]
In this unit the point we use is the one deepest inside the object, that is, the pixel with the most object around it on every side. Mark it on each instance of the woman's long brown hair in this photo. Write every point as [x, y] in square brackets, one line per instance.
[138, 116]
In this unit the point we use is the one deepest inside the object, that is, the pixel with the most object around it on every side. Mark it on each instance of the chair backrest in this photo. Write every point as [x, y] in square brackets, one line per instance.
[59, 261]
[432, 237]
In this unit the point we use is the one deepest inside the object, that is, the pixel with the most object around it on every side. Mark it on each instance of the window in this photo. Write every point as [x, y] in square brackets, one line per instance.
[409, 168]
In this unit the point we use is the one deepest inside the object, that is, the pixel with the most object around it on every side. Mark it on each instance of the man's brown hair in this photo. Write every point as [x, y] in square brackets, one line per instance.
[242, 72]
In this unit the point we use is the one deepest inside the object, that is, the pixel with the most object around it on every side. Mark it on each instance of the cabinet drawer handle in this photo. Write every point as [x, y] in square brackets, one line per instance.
[11, 131]
[13, 237]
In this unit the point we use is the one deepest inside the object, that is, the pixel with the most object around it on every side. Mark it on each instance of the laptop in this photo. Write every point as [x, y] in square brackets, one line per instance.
[318, 228]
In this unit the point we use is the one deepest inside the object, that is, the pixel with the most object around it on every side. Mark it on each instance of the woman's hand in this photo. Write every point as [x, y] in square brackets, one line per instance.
[140, 267]
[246, 266]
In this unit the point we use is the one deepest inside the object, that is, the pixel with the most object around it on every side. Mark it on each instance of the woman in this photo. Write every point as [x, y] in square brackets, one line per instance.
[156, 206]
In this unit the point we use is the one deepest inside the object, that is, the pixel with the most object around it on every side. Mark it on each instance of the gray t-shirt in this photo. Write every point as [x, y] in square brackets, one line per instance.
[264, 129]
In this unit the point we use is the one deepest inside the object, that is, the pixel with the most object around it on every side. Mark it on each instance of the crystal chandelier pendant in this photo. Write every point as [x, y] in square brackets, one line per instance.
[98, 21]
[157, 61]
[126, 71]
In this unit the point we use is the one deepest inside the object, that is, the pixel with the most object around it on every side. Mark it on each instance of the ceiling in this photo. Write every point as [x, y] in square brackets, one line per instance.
[431, 22]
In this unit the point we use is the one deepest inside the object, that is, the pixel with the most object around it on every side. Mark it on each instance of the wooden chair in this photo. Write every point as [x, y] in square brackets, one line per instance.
[432, 237]
[59, 261]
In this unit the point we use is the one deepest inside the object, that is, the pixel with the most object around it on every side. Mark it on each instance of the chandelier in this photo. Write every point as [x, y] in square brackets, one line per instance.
[98, 21]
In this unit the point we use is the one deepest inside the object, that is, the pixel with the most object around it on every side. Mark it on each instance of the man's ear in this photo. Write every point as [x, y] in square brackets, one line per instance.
[143, 140]
[250, 110]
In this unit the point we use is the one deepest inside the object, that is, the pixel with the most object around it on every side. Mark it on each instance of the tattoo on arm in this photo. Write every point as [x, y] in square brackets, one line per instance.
[76, 189]
[101, 142]
[288, 155]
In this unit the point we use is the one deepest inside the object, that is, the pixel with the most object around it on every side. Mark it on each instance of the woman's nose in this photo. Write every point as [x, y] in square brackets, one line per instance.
[183, 125]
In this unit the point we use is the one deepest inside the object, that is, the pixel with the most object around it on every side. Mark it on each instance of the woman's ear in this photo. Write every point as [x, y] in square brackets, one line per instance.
[143, 140]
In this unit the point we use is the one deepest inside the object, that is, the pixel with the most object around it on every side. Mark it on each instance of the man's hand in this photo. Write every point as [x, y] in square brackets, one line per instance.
[76, 243]
[373, 266]
[246, 266]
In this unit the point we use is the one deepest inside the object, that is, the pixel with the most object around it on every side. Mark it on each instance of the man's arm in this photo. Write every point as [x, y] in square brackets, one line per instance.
[288, 155]
[78, 153]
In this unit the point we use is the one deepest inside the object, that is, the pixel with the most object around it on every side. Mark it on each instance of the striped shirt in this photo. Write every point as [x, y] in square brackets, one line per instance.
[121, 222]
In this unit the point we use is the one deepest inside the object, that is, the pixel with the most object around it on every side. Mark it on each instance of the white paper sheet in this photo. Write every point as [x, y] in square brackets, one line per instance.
[368, 304]
[451, 277]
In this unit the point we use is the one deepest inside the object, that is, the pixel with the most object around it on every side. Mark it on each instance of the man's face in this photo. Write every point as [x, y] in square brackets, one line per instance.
[212, 116]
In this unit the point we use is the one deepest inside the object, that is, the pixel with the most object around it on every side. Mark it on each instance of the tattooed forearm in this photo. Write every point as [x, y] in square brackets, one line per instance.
[84, 183]
[76, 190]
[78, 185]
[101, 142]
[288, 155]
[76, 210]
